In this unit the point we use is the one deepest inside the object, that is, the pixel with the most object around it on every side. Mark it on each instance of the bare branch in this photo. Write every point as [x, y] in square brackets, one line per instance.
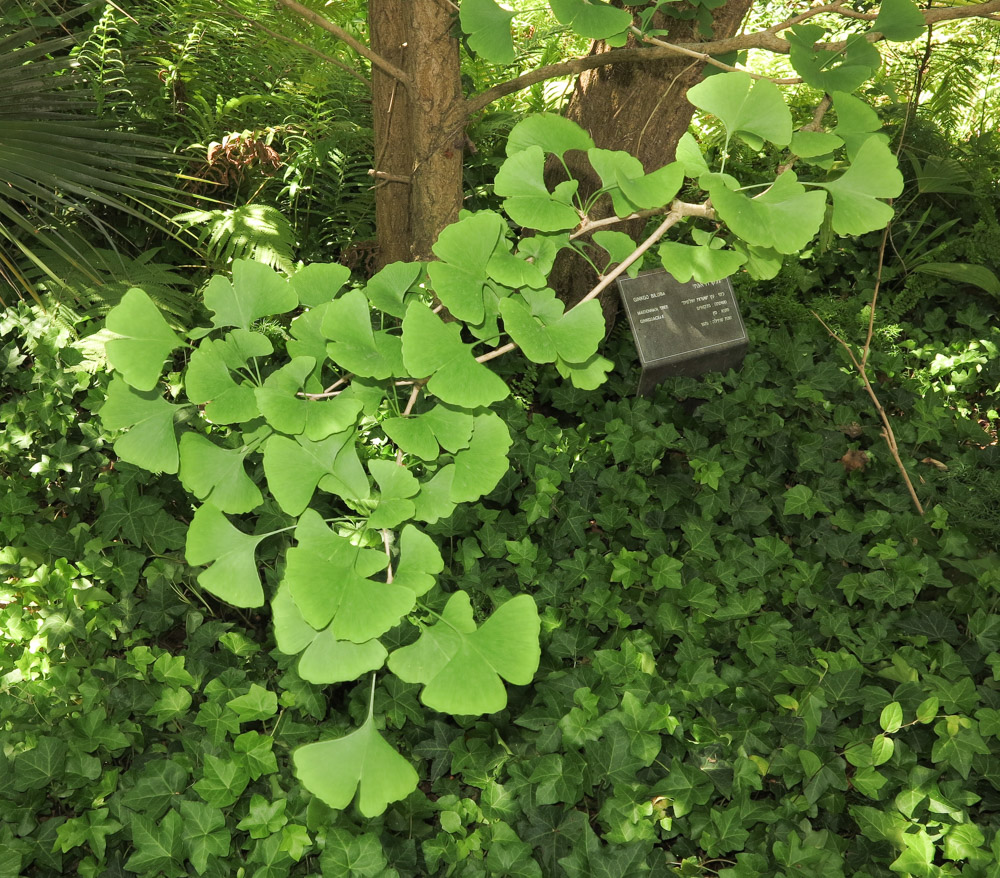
[329, 59]
[341, 34]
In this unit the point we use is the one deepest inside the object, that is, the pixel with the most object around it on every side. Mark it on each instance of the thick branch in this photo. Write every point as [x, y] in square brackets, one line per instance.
[343, 35]
[282, 38]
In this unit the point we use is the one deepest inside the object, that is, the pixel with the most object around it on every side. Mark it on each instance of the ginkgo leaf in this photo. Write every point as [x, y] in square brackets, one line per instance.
[461, 666]
[396, 485]
[151, 440]
[873, 174]
[256, 291]
[278, 398]
[535, 320]
[785, 217]
[703, 263]
[452, 426]
[900, 21]
[480, 467]
[464, 249]
[233, 574]
[413, 435]
[388, 288]
[295, 467]
[434, 502]
[292, 633]
[553, 133]
[527, 200]
[145, 340]
[329, 660]
[208, 382]
[347, 322]
[319, 282]
[434, 348]
[361, 762]
[745, 106]
[844, 70]
[328, 578]
[592, 19]
[217, 474]
[588, 375]
[419, 561]
[514, 271]
[488, 29]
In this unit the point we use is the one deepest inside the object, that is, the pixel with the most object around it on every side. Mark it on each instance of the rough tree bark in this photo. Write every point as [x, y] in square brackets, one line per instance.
[639, 108]
[419, 126]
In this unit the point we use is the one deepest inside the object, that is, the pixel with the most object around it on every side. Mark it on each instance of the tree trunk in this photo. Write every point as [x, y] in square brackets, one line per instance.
[640, 108]
[420, 130]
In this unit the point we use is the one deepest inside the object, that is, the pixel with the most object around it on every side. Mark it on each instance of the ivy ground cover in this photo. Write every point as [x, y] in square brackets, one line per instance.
[756, 659]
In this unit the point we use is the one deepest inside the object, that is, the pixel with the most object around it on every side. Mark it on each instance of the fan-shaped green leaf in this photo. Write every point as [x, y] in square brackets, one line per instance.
[592, 19]
[319, 282]
[809, 144]
[434, 348]
[328, 578]
[588, 375]
[329, 660]
[452, 426]
[387, 289]
[461, 666]
[536, 322]
[702, 263]
[353, 346]
[278, 401]
[859, 59]
[256, 291]
[527, 199]
[361, 762]
[295, 467]
[785, 217]
[745, 106]
[412, 435]
[555, 134]
[465, 249]
[488, 29]
[873, 174]
[419, 560]
[217, 474]
[900, 21]
[151, 441]
[208, 382]
[396, 485]
[232, 574]
[434, 502]
[480, 467]
[292, 633]
[145, 340]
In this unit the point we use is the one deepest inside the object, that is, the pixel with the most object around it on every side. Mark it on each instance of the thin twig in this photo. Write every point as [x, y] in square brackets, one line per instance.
[414, 395]
[387, 542]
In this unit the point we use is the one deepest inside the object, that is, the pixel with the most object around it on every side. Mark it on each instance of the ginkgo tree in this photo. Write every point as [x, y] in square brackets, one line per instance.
[377, 418]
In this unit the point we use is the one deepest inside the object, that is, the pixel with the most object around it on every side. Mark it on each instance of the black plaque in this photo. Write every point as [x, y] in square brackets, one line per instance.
[682, 329]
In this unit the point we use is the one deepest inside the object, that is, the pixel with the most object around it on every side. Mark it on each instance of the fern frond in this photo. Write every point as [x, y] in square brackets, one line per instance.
[252, 231]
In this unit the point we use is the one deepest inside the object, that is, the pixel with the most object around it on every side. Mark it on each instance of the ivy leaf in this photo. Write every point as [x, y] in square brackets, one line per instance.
[461, 666]
[205, 834]
[319, 282]
[899, 21]
[257, 704]
[361, 762]
[388, 288]
[396, 485]
[151, 442]
[145, 340]
[785, 217]
[158, 845]
[434, 348]
[264, 818]
[480, 467]
[354, 345]
[488, 29]
[328, 578]
[751, 109]
[277, 399]
[591, 18]
[553, 133]
[256, 291]
[703, 263]
[464, 249]
[859, 59]
[891, 718]
[801, 500]
[419, 560]
[217, 474]
[208, 380]
[296, 467]
[222, 781]
[233, 575]
[873, 174]
[527, 200]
